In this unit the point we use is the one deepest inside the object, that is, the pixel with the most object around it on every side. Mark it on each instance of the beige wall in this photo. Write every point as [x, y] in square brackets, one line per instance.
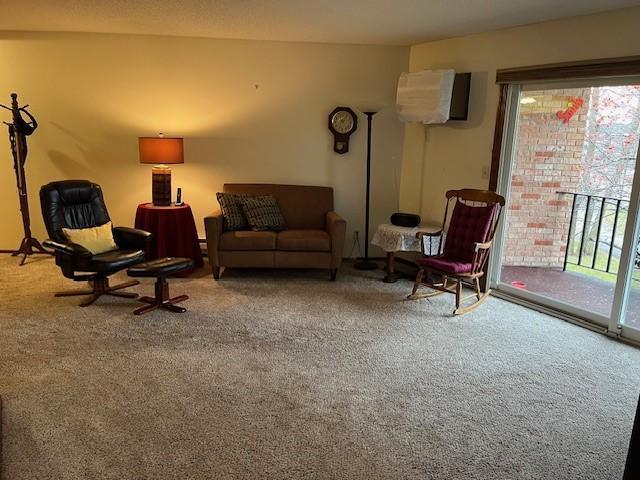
[438, 158]
[249, 112]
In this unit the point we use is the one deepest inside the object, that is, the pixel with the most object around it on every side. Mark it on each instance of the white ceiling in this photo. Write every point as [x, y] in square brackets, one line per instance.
[394, 22]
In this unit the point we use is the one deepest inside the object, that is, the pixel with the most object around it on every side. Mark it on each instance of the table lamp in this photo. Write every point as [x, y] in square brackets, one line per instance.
[161, 151]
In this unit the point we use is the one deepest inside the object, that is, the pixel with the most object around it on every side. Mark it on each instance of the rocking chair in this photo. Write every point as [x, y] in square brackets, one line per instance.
[473, 223]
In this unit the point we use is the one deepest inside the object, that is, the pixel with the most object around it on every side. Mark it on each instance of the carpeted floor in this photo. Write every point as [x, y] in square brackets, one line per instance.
[285, 375]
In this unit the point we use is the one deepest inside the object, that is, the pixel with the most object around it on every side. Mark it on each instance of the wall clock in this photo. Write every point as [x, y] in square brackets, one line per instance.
[342, 123]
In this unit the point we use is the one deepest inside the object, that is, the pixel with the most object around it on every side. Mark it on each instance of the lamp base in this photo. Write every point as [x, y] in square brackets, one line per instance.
[161, 186]
[365, 264]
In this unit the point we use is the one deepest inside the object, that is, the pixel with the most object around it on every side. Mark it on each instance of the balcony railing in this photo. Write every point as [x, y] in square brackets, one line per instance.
[593, 230]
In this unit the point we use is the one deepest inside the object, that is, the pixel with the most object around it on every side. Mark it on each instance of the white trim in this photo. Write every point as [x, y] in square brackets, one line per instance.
[630, 333]
[558, 305]
[539, 307]
[629, 245]
[633, 340]
[510, 127]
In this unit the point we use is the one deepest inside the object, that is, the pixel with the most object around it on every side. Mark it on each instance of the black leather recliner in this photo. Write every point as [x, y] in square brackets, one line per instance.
[79, 204]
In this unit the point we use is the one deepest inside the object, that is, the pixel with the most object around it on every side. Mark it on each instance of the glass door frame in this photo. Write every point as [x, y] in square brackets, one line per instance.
[615, 323]
[625, 272]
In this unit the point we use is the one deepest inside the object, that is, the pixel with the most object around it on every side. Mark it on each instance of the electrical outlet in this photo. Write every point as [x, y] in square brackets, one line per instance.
[486, 171]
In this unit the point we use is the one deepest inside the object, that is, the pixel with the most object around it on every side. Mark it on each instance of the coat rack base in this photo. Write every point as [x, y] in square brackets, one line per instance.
[29, 246]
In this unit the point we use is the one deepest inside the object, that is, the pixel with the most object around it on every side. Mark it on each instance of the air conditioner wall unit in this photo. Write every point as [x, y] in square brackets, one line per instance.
[426, 96]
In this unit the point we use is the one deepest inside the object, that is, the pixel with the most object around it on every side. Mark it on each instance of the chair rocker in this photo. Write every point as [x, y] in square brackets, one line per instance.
[468, 241]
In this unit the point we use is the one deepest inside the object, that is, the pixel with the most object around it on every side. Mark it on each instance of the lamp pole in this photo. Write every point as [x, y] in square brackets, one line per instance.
[364, 263]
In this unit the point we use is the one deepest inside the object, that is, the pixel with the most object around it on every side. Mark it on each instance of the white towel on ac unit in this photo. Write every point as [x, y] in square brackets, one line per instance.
[425, 96]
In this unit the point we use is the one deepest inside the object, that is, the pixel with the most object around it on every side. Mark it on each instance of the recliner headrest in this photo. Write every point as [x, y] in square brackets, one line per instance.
[72, 204]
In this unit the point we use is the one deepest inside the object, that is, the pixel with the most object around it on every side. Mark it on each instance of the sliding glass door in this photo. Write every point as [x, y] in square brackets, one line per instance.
[627, 308]
[569, 240]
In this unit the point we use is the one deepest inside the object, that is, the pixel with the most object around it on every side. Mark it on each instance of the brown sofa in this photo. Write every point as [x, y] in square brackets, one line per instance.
[314, 237]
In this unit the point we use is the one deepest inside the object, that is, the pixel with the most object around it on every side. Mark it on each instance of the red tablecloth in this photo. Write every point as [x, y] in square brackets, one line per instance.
[174, 231]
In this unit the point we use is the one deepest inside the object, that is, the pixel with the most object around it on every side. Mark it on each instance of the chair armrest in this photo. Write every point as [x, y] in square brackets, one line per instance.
[213, 227]
[480, 256]
[70, 257]
[482, 246]
[67, 248]
[131, 238]
[337, 230]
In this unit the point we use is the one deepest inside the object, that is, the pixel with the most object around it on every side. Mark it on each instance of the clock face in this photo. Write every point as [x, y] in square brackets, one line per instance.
[342, 121]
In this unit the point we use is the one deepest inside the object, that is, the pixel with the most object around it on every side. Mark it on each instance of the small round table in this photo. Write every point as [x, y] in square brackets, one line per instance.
[392, 239]
[174, 231]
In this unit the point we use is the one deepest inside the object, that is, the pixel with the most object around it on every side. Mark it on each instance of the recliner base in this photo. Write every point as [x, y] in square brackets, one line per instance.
[100, 286]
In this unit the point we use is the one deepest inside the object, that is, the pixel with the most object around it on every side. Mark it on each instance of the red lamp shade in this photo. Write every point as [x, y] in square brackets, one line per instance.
[160, 150]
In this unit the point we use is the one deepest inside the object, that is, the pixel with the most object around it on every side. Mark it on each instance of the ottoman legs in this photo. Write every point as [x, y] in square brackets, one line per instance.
[161, 300]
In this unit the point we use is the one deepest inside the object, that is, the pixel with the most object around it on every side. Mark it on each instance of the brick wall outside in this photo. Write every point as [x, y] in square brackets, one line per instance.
[548, 159]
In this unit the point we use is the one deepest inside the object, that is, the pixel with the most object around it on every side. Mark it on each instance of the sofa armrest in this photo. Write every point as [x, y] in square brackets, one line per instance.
[337, 229]
[131, 238]
[213, 227]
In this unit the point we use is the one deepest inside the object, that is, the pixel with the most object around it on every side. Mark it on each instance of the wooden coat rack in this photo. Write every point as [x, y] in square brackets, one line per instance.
[19, 130]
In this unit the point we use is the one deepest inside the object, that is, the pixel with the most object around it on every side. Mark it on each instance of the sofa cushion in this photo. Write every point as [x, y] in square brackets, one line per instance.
[304, 241]
[263, 213]
[248, 240]
[234, 218]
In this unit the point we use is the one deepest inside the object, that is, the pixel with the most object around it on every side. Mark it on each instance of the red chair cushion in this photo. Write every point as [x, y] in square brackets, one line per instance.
[445, 265]
[468, 226]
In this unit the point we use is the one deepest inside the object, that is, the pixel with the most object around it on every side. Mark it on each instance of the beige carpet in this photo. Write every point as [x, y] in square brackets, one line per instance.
[285, 375]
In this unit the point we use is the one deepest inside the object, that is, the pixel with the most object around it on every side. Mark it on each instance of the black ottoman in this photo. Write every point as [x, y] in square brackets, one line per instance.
[161, 269]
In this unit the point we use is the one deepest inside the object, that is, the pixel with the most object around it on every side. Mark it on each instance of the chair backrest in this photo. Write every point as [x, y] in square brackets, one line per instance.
[72, 204]
[474, 220]
[302, 206]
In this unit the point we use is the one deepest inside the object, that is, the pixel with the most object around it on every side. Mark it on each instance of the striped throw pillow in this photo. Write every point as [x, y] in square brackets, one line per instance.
[234, 218]
[263, 213]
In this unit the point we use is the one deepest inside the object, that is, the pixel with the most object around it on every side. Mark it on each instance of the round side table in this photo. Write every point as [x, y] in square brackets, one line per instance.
[174, 231]
[392, 239]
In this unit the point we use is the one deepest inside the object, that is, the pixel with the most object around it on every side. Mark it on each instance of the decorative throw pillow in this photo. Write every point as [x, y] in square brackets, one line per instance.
[232, 212]
[263, 213]
[95, 239]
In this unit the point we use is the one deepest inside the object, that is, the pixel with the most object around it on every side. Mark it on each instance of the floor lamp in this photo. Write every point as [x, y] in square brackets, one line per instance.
[364, 263]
